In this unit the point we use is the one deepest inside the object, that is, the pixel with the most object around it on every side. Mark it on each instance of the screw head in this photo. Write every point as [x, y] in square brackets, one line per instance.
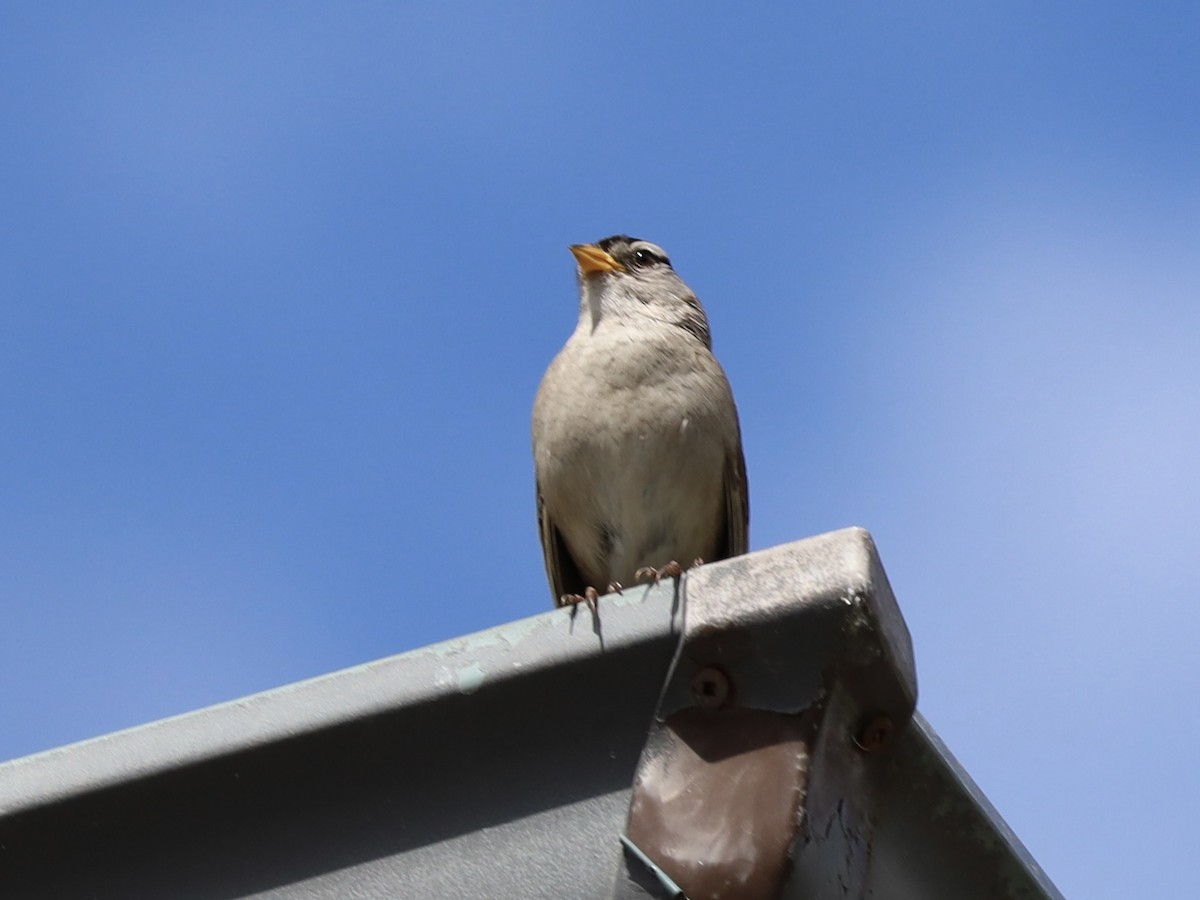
[874, 734]
[711, 687]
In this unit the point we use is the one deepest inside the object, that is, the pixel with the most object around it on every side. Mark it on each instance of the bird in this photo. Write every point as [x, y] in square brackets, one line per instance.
[637, 447]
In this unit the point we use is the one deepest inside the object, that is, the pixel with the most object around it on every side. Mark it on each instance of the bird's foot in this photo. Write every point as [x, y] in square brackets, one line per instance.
[588, 598]
[654, 576]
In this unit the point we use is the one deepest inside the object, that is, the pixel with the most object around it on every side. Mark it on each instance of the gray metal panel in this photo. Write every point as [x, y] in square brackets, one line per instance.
[495, 765]
[496, 762]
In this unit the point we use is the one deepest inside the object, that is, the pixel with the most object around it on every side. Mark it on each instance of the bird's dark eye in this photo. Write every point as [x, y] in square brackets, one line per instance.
[644, 257]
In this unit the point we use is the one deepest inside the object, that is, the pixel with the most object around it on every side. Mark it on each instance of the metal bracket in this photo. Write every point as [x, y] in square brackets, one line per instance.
[759, 776]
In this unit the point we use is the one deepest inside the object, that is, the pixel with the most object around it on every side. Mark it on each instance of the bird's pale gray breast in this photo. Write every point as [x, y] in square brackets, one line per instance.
[632, 453]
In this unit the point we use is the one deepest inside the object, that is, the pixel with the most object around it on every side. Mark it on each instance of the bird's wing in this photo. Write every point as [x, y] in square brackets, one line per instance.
[737, 503]
[560, 566]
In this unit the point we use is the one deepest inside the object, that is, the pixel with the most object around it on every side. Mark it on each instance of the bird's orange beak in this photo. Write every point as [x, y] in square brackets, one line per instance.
[593, 260]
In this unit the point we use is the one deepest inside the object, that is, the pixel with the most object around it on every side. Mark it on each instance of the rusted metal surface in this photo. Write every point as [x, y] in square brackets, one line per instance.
[750, 785]
[715, 800]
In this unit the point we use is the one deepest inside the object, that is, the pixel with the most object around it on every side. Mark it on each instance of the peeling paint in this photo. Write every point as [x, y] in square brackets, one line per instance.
[469, 678]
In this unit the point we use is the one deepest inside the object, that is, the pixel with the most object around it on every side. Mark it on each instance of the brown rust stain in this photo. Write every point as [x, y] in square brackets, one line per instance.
[717, 800]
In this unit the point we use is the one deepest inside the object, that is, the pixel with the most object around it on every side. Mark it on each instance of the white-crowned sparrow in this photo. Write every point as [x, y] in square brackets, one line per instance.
[636, 444]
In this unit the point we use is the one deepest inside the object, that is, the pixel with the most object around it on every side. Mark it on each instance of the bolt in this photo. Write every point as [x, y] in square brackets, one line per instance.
[874, 734]
[710, 688]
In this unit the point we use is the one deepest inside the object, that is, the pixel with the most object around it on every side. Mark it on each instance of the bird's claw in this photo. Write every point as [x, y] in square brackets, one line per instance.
[588, 598]
[653, 575]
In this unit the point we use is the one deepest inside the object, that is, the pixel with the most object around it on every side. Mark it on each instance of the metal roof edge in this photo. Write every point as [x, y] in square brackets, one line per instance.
[458, 665]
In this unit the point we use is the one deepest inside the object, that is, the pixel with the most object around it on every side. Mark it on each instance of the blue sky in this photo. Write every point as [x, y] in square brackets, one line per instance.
[278, 283]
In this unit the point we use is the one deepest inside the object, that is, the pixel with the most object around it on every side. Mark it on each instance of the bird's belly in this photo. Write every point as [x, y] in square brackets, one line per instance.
[631, 460]
[648, 496]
